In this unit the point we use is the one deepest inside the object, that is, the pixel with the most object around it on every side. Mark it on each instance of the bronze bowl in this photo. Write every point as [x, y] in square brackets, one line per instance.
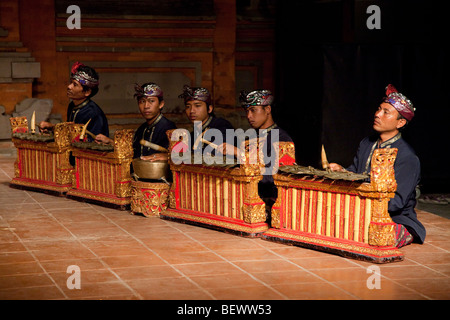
[152, 170]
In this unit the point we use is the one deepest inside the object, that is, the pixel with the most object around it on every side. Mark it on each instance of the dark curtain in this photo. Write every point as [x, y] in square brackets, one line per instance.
[331, 74]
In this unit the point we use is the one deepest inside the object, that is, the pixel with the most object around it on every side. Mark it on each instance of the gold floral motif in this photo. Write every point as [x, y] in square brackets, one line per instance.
[382, 171]
[64, 176]
[183, 138]
[18, 124]
[16, 169]
[254, 207]
[123, 143]
[122, 189]
[382, 228]
[275, 213]
[254, 213]
[382, 235]
[172, 199]
[150, 199]
[62, 134]
[285, 148]
[74, 130]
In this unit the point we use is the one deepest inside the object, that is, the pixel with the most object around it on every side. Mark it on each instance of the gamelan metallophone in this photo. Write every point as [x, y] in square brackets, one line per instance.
[349, 218]
[42, 162]
[101, 174]
[218, 196]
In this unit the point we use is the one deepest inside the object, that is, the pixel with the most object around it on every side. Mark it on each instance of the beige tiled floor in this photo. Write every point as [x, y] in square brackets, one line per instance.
[122, 256]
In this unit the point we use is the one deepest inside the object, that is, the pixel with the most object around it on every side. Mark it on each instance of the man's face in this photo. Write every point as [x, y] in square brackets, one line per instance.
[257, 115]
[150, 107]
[386, 119]
[75, 91]
[197, 110]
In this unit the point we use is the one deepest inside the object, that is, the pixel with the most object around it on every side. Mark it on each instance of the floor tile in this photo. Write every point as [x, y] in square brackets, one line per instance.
[193, 294]
[24, 280]
[287, 277]
[342, 274]
[146, 272]
[158, 285]
[227, 280]
[323, 262]
[124, 261]
[257, 292]
[208, 269]
[191, 257]
[255, 266]
[17, 268]
[411, 272]
[247, 254]
[388, 290]
[100, 290]
[313, 291]
[129, 257]
[32, 293]
[428, 286]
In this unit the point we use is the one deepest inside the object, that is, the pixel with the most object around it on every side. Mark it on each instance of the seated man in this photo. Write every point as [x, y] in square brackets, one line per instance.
[392, 116]
[150, 100]
[200, 111]
[83, 86]
[258, 107]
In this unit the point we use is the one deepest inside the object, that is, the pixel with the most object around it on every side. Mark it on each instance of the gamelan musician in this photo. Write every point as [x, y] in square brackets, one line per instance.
[84, 82]
[258, 108]
[200, 111]
[150, 99]
[393, 114]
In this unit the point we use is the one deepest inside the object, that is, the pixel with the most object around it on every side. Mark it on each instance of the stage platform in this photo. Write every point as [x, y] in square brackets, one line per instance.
[126, 256]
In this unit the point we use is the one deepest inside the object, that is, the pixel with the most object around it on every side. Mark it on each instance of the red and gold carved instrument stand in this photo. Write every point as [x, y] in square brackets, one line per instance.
[149, 198]
[42, 165]
[347, 218]
[219, 197]
[103, 177]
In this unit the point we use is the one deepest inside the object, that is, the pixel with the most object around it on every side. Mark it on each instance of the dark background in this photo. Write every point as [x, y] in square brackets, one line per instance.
[332, 72]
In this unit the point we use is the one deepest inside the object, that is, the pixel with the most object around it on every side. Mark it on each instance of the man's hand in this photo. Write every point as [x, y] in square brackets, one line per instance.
[100, 138]
[45, 126]
[227, 149]
[336, 167]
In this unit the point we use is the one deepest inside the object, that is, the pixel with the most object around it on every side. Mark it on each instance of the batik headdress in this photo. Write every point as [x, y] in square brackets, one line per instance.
[82, 77]
[402, 104]
[200, 94]
[148, 90]
[256, 98]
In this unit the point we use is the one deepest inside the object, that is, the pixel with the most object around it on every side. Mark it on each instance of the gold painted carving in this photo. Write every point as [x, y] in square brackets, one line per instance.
[150, 199]
[172, 198]
[382, 171]
[74, 130]
[382, 228]
[18, 124]
[285, 148]
[275, 213]
[62, 134]
[254, 208]
[123, 143]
